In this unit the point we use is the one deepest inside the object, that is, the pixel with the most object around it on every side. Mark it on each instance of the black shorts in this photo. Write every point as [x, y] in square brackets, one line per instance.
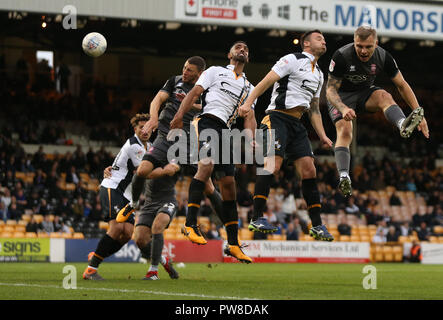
[151, 208]
[289, 137]
[112, 201]
[158, 153]
[355, 100]
[221, 168]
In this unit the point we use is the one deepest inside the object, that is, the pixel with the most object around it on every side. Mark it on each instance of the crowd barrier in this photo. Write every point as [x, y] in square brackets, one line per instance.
[261, 251]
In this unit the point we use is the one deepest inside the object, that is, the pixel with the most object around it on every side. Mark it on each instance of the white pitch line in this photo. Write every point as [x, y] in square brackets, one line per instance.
[162, 293]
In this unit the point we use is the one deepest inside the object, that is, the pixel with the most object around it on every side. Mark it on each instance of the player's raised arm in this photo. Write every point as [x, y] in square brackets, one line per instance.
[334, 98]
[317, 122]
[186, 105]
[261, 87]
[408, 95]
[154, 110]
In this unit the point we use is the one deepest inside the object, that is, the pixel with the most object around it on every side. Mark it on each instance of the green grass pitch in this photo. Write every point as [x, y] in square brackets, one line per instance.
[225, 281]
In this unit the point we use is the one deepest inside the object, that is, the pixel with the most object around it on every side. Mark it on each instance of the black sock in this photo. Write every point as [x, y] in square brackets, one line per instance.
[105, 248]
[216, 201]
[157, 248]
[196, 189]
[146, 251]
[138, 184]
[312, 198]
[261, 193]
[230, 220]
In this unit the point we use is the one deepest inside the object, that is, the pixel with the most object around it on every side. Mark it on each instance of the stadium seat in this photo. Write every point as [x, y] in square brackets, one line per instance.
[6, 234]
[365, 238]
[9, 228]
[103, 225]
[42, 235]
[378, 250]
[20, 228]
[388, 254]
[222, 233]
[11, 222]
[245, 234]
[403, 239]
[355, 238]
[18, 234]
[22, 223]
[55, 235]
[345, 238]
[433, 239]
[78, 235]
[440, 239]
[398, 253]
[38, 218]
[26, 218]
[31, 235]
[438, 230]
[66, 235]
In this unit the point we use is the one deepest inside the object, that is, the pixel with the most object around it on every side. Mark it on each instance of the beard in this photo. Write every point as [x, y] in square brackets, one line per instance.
[239, 58]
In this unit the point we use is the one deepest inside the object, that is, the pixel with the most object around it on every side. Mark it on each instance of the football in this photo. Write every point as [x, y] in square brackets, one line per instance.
[94, 44]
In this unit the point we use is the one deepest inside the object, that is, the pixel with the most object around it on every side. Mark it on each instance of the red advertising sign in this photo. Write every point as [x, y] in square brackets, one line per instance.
[219, 13]
[186, 251]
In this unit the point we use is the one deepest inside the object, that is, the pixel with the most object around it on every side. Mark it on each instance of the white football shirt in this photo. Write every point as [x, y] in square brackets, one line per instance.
[300, 81]
[126, 161]
[224, 91]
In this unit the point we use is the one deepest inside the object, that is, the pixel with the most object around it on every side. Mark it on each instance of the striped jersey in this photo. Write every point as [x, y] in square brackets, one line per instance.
[300, 80]
[126, 161]
[224, 92]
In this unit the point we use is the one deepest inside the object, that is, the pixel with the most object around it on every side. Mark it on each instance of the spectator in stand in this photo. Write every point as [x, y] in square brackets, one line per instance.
[96, 212]
[405, 229]
[213, 233]
[394, 200]
[415, 252]
[351, 207]
[294, 230]
[33, 225]
[392, 235]
[343, 227]
[3, 212]
[379, 236]
[423, 232]
[47, 225]
[14, 212]
[78, 208]
[64, 209]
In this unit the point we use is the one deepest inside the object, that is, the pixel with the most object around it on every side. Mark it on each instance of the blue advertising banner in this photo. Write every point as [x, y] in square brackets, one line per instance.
[78, 250]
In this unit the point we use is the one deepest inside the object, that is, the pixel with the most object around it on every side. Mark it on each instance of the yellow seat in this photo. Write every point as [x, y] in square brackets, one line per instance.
[11, 222]
[6, 235]
[78, 235]
[103, 225]
[345, 238]
[42, 235]
[433, 239]
[355, 239]
[398, 253]
[38, 218]
[66, 235]
[18, 234]
[365, 238]
[9, 228]
[55, 235]
[20, 228]
[388, 254]
[26, 218]
[31, 235]
[438, 229]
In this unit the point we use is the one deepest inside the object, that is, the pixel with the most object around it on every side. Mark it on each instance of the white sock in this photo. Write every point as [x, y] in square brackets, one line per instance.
[400, 122]
[153, 268]
[163, 260]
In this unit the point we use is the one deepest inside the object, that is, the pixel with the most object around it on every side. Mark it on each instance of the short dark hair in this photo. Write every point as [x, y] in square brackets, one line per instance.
[197, 61]
[364, 32]
[139, 117]
[306, 35]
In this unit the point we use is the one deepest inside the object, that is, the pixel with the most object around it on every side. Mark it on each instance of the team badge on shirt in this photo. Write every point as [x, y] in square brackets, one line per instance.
[331, 66]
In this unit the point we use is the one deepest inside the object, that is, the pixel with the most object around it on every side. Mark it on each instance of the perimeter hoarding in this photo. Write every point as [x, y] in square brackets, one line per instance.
[24, 250]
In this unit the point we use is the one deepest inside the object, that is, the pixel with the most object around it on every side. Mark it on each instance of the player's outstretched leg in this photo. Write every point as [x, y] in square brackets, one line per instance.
[191, 230]
[411, 122]
[258, 222]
